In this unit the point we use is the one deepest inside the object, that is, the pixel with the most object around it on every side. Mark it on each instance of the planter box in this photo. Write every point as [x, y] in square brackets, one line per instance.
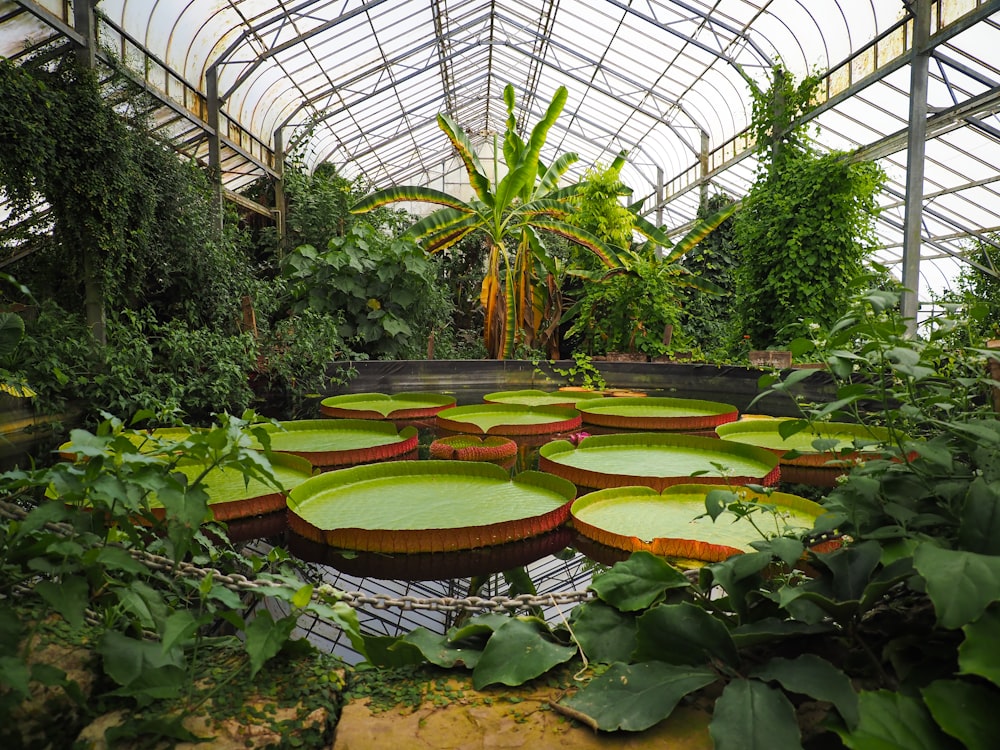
[771, 358]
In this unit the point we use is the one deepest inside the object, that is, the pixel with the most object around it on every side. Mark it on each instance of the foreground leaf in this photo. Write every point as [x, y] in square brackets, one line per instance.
[605, 635]
[634, 697]
[965, 711]
[683, 634]
[637, 583]
[749, 715]
[960, 584]
[810, 675]
[519, 651]
[891, 721]
[438, 650]
[978, 653]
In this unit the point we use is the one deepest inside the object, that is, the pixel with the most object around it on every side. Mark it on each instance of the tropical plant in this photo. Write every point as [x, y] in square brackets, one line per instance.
[806, 226]
[513, 214]
[882, 638]
[145, 595]
[385, 289]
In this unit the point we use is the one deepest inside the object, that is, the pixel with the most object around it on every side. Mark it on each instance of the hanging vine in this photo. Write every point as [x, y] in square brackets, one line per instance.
[806, 227]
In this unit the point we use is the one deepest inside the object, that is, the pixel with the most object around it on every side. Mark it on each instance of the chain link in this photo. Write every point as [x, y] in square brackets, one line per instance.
[324, 593]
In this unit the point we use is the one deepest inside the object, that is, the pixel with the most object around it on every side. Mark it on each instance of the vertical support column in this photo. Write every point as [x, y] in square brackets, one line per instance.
[703, 164]
[214, 141]
[915, 153]
[659, 196]
[93, 289]
[280, 200]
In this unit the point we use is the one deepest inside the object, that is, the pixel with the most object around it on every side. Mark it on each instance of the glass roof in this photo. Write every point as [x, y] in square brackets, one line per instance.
[359, 83]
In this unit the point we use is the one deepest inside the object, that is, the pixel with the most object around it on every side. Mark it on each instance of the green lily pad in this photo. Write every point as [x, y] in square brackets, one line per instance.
[834, 439]
[815, 455]
[232, 496]
[406, 405]
[674, 523]
[342, 442]
[146, 441]
[509, 419]
[427, 506]
[657, 460]
[656, 413]
[533, 397]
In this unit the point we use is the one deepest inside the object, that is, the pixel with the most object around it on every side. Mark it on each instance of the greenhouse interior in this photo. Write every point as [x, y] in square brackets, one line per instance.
[692, 306]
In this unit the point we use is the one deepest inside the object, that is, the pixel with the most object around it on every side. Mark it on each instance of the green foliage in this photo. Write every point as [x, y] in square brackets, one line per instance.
[628, 312]
[83, 550]
[117, 195]
[296, 356]
[977, 294]
[806, 226]
[385, 289]
[709, 321]
[519, 293]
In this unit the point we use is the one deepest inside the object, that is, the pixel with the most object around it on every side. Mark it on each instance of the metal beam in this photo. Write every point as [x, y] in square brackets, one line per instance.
[915, 155]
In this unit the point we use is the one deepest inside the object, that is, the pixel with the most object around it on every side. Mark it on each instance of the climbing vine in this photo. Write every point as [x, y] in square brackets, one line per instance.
[806, 226]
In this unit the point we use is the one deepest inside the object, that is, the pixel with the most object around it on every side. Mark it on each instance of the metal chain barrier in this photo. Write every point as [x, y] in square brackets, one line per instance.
[324, 592]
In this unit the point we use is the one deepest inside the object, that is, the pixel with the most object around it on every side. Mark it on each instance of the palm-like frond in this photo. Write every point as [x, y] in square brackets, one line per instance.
[410, 193]
[463, 146]
[607, 255]
[699, 231]
[441, 220]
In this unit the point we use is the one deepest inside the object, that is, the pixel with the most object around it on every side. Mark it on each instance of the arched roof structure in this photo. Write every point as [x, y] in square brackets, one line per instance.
[242, 84]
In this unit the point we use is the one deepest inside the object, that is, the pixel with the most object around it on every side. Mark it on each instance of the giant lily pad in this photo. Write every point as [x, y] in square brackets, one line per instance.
[675, 414]
[342, 442]
[509, 419]
[657, 460]
[427, 506]
[147, 441]
[815, 455]
[408, 405]
[674, 524]
[231, 495]
[533, 397]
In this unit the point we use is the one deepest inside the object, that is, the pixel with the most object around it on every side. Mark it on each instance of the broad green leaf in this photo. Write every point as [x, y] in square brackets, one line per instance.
[749, 715]
[126, 660]
[15, 676]
[437, 649]
[634, 697]
[69, 598]
[604, 633]
[772, 629]
[390, 651]
[965, 711]
[517, 652]
[810, 675]
[893, 721]
[117, 560]
[637, 583]
[979, 527]
[265, 638]
[978, 653]
[960, 584]
[852, 568]
[683, 634]
[178, 629]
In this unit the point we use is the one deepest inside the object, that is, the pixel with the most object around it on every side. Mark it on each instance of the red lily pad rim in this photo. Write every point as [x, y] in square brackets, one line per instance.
[407, 541]
[411, 405]
[549, 460]
[567, 399]
[407, 441]
[839, 462]
[675, 547]
[559, 419]
[603, 412]
[473, 448]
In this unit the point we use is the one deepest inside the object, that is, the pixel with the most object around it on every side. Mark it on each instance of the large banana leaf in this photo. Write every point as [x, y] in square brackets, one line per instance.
[410, 193]
[477, 175]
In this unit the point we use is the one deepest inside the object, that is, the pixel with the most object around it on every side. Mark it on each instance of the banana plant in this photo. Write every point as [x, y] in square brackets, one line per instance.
[514, 213]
